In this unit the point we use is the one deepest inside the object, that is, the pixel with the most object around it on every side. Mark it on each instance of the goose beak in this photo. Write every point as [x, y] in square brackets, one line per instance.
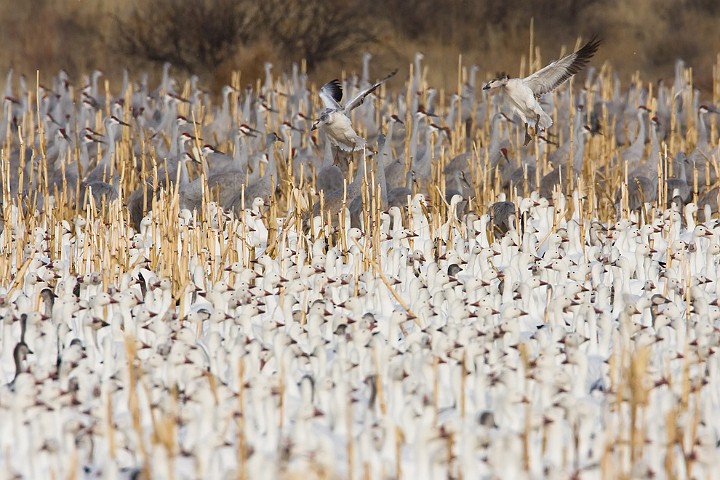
[486, 86]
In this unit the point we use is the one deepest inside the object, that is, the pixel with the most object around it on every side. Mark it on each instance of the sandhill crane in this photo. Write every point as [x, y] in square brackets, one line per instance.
[398, 196]
[102, 169]
[266, 184]
[633, 155]
[640, 190]
[561, 172]
[386, 151]
[701, 158]
[334, 118]
[522, 93]
[329, 175]
[677, 185]
[341, 197]
[395, 171]
[500, 213]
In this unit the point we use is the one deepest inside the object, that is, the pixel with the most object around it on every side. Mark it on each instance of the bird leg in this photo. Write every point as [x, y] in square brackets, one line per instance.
[336, 162]
[527, 135]
[537, 129]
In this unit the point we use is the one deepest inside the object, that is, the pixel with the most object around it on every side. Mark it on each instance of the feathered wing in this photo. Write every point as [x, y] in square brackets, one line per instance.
[361, 96]
[549, 78]
[331, 93]
[359, 144]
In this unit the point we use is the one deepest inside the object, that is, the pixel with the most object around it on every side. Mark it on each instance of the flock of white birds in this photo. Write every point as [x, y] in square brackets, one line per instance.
[192, 290]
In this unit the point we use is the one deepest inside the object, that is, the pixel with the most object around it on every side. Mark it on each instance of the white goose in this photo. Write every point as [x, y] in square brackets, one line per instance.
[522, 93]
[335, 119]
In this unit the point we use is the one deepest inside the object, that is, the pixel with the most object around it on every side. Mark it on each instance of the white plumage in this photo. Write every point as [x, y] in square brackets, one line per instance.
[522, 93]
[334, 118]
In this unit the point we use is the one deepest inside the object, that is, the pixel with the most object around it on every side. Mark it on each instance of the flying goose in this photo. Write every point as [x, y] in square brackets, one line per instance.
[334, 117]
[522, 93]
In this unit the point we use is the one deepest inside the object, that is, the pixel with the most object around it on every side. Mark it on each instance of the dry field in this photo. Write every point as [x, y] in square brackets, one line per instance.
[432, 306]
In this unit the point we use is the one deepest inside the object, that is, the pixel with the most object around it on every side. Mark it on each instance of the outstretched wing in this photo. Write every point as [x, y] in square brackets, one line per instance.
[549, 78]
[331, 93]
[361, 96]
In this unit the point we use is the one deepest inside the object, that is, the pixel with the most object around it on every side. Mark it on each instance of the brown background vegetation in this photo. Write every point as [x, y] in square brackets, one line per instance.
[215, 37]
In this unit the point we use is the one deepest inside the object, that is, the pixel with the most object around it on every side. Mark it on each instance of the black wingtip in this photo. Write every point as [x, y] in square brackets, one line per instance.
[335, 88]
[591, 47]
[583, 55]
[389, 75]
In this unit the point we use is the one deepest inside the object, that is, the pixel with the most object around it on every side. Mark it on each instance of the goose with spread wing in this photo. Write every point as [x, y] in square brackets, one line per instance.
[523, 93]
[335, 119]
